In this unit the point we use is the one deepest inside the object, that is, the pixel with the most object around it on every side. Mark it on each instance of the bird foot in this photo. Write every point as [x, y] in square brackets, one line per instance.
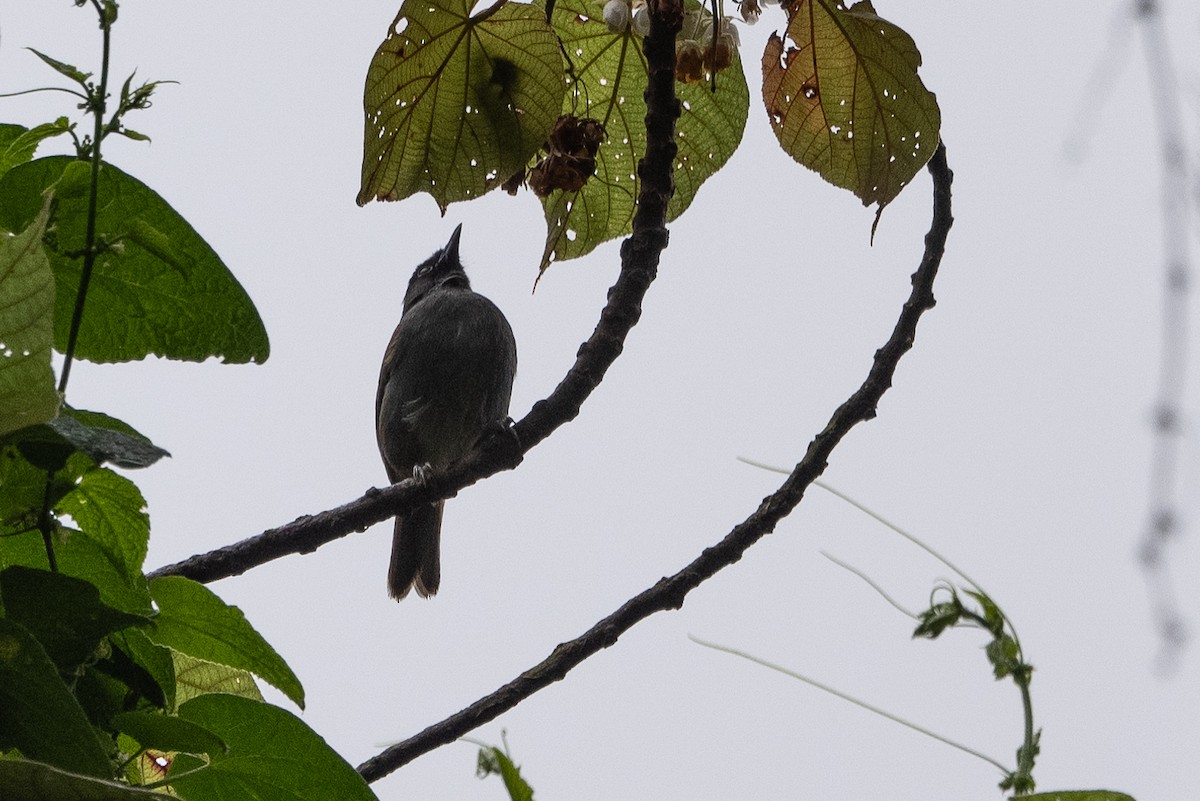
[500, 441]
[422, 473]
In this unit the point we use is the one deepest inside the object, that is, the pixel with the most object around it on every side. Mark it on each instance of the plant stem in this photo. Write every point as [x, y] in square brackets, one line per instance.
[1026, 755]
[45, 526]
[96, 101]
[45, 89]
[98, 107]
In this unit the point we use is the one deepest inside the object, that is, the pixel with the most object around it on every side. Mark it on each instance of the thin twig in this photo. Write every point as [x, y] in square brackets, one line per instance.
[839, 694]
[878, 518]
[870, 582]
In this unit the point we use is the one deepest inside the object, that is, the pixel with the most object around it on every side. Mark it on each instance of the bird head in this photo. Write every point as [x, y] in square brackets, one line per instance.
[442, 269]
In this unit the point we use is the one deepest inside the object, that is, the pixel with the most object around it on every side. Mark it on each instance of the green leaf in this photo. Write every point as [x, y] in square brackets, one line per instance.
[141, 304]
[610, 80]
[42, 446]
[134, 682]
[456, 104]
[937, 618]
[1002, 654]
[111, 511]
[844, 99]
[991, 612]
[75, 181]
[62, 68]
[101, 694]
[136, 136]
[18, 143]
[27, 391]
[1078, 795]
[158, 244]
[102, 421]
[493, 760]
[41, 718]
[167, 733]
[65, 614]
[22, 488]
[23, 780]
[196, 622]
[197, 677]
[106, 439]
[154, 659]
[272, 756]
[81, 558]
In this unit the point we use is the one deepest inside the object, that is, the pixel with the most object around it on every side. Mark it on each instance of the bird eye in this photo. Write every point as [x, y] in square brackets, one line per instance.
[424, 269]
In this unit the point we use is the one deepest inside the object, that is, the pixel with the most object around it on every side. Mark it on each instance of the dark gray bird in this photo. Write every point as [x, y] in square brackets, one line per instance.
[446, 377]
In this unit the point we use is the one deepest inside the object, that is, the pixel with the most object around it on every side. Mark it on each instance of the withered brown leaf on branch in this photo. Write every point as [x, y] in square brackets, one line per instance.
[570, 156]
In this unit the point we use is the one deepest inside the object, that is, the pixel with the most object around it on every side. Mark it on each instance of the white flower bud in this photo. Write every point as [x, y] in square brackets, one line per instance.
[616, 15]
[641, 21]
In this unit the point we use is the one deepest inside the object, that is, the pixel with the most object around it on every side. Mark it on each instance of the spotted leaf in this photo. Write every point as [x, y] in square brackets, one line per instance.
[843, 97]
[455, 103]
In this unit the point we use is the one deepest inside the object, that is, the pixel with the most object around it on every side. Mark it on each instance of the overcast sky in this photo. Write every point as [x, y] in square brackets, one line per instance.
[1016, 438]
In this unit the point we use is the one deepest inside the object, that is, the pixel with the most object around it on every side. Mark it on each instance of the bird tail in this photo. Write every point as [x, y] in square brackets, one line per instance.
[415, 559]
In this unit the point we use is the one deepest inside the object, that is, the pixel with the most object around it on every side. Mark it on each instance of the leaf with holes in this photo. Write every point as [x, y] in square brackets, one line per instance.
[844, 99]
[456, 104]
[609, 83]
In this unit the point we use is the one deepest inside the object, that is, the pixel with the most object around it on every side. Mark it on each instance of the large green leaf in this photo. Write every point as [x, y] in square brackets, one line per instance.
[168, 733]
[49, 445]
[456, 104]
[196, 677]
[65, 614]
[23, 780]
[196, 622]
[610, 81]
[844, 99]
[272, 756]
[82, 558]
[40, 716]
[27, 391]
[162, 291]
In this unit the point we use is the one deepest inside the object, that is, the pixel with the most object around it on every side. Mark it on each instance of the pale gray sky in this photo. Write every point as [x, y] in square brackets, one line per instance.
[1016, 438]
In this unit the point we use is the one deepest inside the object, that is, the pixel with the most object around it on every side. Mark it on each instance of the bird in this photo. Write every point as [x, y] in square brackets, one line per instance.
[446, 378]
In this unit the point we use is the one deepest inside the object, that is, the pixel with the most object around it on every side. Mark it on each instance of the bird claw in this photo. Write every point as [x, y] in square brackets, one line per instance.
[500, 442]
[503, 428]
[422, 473]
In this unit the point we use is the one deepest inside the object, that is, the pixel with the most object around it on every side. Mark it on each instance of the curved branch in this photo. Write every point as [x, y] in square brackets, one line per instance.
[669, 593]
[639, 266]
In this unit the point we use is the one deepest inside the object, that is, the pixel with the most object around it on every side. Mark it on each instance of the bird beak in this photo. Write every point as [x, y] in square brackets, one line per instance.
[450, 252]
